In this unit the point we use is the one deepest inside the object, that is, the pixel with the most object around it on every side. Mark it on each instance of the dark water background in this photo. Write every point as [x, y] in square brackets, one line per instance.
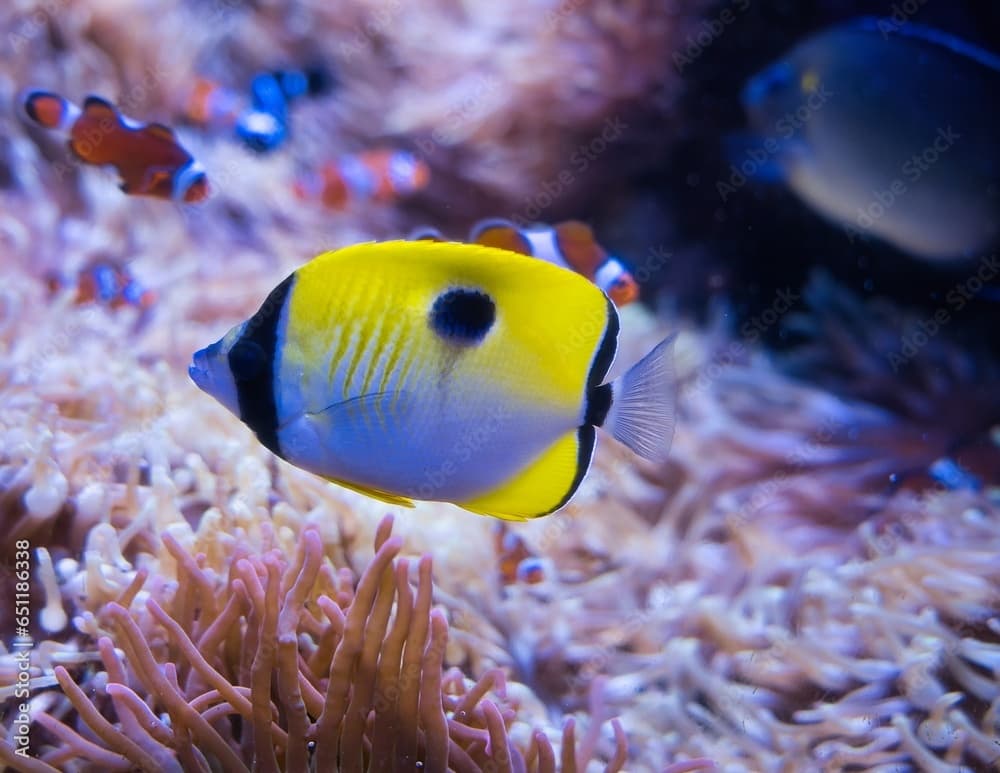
[763, 237]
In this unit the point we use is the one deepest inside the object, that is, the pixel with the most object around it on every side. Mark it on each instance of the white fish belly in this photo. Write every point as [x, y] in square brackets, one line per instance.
[424, 446]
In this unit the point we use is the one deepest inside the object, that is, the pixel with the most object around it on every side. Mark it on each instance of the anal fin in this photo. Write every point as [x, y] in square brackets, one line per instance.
[543, 486]
[382, 496]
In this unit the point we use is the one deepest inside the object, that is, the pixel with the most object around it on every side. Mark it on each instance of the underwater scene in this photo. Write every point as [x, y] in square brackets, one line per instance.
[540, 385]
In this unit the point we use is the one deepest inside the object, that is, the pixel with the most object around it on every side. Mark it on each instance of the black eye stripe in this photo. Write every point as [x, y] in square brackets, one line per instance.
[247, 360]
[463, 315]
[251, 361]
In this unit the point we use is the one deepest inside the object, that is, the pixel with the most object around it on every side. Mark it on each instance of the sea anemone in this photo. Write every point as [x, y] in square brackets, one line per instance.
[280, 664]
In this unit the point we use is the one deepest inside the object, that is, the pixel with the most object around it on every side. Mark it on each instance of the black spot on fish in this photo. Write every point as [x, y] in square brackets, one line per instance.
[463, 315]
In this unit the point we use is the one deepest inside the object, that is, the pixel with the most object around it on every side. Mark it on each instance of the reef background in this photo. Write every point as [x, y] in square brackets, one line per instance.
[793, 591]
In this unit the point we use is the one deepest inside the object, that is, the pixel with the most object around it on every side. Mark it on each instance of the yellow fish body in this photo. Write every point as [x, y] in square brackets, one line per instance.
[439, 371]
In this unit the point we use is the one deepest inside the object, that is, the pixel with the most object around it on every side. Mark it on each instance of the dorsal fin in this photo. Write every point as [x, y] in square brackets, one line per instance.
[502, 234]
[934, 37]
[160, 131]
[99, 107]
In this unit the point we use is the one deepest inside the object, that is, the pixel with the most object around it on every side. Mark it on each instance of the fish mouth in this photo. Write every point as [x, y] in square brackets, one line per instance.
[767, 84]
[210, 371]
[199, 370]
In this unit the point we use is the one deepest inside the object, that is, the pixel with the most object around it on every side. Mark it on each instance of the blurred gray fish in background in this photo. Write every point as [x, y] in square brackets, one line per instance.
[887, 130]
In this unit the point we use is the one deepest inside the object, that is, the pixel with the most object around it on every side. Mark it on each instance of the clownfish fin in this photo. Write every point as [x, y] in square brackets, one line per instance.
[160, 131]
[426, 232]
[191, 183]
[643, 401]
[98, 107]
[617, 282]
[500, 233]
[545, 485]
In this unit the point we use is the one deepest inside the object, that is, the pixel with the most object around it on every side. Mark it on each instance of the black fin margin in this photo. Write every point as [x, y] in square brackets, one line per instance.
[599, 395]
[586, 438]
[605, 351]
[598, 405]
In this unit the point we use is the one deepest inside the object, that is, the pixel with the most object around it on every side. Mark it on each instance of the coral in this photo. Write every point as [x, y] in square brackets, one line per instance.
[284, 665]
[948, 380]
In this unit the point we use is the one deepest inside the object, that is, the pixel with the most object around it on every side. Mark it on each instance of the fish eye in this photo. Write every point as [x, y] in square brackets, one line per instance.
[809, 82]
[462, 315]
[246, 360]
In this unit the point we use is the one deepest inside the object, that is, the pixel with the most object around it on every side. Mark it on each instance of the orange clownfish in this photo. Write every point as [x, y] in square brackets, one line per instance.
[377, 176]
[570, 244]
[260, 119]
[105, 281]
[211, 104]
[148, 156]
[516, 561]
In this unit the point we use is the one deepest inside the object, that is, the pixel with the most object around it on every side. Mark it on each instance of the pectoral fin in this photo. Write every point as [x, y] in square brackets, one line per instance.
[361, 414]
[358, 422]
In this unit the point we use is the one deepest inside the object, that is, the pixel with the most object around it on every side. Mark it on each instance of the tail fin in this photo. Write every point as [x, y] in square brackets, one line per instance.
[643, 401]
